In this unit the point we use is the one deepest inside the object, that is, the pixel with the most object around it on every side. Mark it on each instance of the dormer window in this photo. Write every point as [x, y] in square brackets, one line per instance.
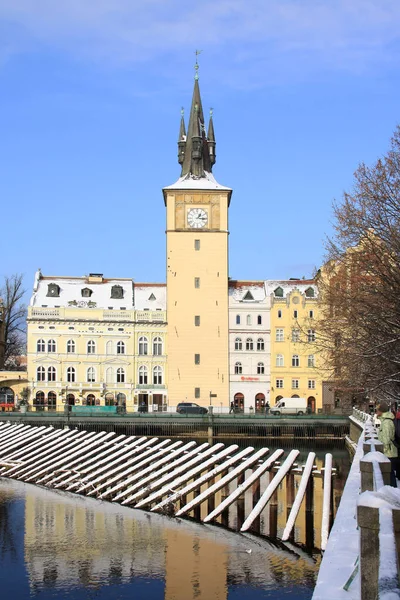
[152, 297]
[53, 290]
[278, 293]
[86, 293]
[310, 292]
[117, 291]
[248, 296]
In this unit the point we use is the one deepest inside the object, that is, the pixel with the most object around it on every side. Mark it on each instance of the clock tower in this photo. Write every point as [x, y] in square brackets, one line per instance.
[197, 269]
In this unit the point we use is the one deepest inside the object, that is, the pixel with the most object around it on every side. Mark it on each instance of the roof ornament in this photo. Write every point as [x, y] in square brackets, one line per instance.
[196, 66]
[182, 112]
[211, 112]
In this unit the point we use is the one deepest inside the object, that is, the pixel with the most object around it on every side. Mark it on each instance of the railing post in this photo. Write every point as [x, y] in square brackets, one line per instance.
[367, 470]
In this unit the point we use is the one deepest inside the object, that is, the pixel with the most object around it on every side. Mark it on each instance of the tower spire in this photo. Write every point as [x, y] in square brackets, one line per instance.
[196, 152]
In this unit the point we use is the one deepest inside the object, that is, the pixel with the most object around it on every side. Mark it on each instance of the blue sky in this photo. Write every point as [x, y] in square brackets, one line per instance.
[91, 92]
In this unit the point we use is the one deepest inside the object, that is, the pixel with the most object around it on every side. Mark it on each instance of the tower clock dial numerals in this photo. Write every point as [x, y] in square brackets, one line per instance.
[197, 218]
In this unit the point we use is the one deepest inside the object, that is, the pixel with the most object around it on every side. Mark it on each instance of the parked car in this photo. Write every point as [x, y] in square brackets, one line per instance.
[190, 408]
[290, 406]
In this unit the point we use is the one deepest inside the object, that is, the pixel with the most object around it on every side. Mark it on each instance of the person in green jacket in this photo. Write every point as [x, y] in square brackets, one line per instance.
[386, 435]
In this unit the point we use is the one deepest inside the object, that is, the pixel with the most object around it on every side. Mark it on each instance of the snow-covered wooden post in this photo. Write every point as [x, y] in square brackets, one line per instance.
[367, 470]
[378, 518]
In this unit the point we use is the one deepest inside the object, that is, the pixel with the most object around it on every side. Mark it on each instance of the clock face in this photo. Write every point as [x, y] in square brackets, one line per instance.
[197, 218]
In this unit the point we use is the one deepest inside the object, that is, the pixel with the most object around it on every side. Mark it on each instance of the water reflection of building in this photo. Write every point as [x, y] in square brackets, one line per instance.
[74, 541]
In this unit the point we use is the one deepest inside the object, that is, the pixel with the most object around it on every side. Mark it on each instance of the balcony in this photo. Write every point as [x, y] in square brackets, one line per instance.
[150, 316]
[149, 386]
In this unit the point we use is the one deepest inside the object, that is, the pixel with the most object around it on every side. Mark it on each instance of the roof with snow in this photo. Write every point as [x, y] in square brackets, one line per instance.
[290, 285]
[246, 291]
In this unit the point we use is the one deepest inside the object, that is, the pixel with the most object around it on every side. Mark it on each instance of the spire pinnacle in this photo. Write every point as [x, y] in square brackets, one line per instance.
[196, 66]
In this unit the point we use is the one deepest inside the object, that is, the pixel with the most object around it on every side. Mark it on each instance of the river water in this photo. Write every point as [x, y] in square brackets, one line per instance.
[58, 545]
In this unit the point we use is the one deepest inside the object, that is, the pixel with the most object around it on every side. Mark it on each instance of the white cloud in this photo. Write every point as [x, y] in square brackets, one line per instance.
[274, 36]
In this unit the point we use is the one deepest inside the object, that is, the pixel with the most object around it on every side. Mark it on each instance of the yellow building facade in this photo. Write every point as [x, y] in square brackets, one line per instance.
[295, 359]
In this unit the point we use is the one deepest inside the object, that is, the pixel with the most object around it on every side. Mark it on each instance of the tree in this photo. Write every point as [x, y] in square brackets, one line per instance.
[11, 294]
[360, 283]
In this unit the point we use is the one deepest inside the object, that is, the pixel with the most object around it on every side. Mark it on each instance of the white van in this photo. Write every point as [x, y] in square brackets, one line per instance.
[290, 406]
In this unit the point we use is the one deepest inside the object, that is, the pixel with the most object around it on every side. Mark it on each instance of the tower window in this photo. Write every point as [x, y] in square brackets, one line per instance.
[295, 313]
[197, 392]
[197, 282]
[197, 359]
[197, 320]
[197, 244]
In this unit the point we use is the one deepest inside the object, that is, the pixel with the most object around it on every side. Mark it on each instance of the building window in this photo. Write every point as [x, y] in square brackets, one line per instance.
[311, 360]
[70, 347]
[143, 345]
[311, 335]
[197, 392]
[120, 375]
[110, 375]
[142, 375]
[259, 320]
[295, 314]
[260, 344]
[90, 400]
[157, 375]
[248, 320]
[279, 360]
[279, 314]
[197, 282]
[41, 346]
[260, 368]
[40, 374]
[311, 314]
[295, 360]
[278, 293]
[51, 346]
[117, 292]
[197, 359]
[279, 383]
[249, 344]
[53, 290]
[51, 374]
[197, 321]
[91, 375]
[109, 347]
[238, 344]
[197, 244]
[91, 347]
[157, 346]
[310, 292]
[279, 336]
[120, 347]
[295, 335]
[295, 384]
[311, 384]
[86, 293]
[237, 319]
[71, 375]
[51, 400]
[238, 368]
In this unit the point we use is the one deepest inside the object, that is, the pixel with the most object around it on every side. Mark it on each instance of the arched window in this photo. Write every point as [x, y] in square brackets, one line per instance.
[249, 344]
[70, 347]
[41, 346]
[121, 400]
[157, 375]
[90, 400]
[120, 347]
[51, 374]
[142, 375]
[71, 400]
[109, 399]
[260, 368]
[279, 314]
[238, 368]
[238, 344]
[248, 320]
[295, 360]
[143, 345]
[260, 344]
[237, 319]
[110, 375]
[238, 402]
[39, 399]
[6, 395]
[91, 347]
[52, 401]
[40, 374]
[259, 320]
[91, 375]
[109, 347]
[120, 375]
[51, 346]
[157, 346]
[71, 375]
[278, 398]
[279, 360]
[311, 360]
